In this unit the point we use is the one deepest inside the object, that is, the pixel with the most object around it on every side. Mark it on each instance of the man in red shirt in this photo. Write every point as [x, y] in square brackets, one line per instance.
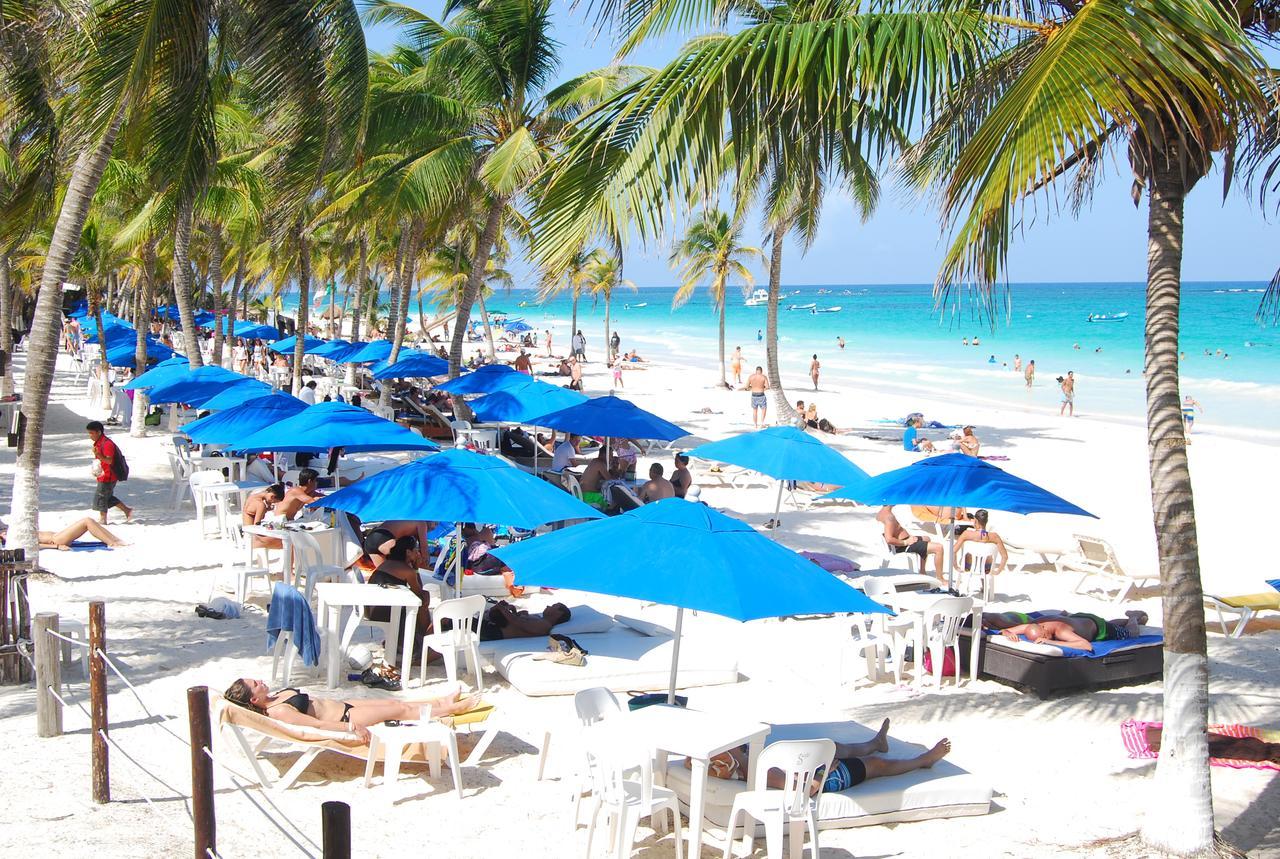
[104, 451]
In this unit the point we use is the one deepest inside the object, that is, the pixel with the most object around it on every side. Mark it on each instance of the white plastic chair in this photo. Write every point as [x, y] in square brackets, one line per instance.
[791, 807]
[942, 622]
[626, 800]
[891, 633]
[464, 614]
[201, 499]
[974, 560]
[242, 565]
[389, 629]
[571, 485]
[592, 705]
[1097, 558]
[308, 564]
[178, 487]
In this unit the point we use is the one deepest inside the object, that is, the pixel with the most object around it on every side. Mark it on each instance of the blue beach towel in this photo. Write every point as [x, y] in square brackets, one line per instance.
[290, 612]
[88, 546]
[1100, 648]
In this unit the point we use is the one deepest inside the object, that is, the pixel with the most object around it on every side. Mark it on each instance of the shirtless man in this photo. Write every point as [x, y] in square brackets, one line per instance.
[814, 367]
[503, 620]
[301, 495]
[575, 374]
[737, 365]
[1068, 385]
[757, 384]
[596, 473]
[899, 541]
[657, 487]
[523, 364]
[681, 479]
[1078, 630]
[256, 508]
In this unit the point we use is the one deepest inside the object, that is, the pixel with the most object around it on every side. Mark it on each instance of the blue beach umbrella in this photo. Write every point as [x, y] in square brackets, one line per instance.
[523, 403]
[166, 371]
[227, 427]
[957, 480]
[195, 386]
[286, 345]
[517, 326]
[416, 365]
[110, 322]
[329, 425]
[613, 417]
[785, 453]
[236, 394]
[684, 554]
[459, 486]
[78, 309]
[332, 349]
[254, 331]
[485, 380]
[375, 350]
[204, 319]
[122, 352]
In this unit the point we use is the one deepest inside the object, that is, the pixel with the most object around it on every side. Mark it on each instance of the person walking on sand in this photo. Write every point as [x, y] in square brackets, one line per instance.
[814, 367]
[737, 365]
[1030, 375]
[548, 342]
[1068, 385]
[1017, 363]
[840, 342]
[104, 453]
[1190, 405]
[759, 335]
[757, 384]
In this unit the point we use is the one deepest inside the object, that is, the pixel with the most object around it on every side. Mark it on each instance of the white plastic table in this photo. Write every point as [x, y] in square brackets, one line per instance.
[335, 596]
[916, 604]
[393, 739]
[326, 538]
[694, 734]
[236, 465]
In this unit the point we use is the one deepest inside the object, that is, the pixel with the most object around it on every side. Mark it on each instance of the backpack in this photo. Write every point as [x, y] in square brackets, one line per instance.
[120, 465]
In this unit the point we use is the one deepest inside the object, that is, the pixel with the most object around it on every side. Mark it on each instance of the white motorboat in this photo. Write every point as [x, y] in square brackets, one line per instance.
[757, 298]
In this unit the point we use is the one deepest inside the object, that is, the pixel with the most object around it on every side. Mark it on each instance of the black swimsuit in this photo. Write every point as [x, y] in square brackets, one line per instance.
[301, 702]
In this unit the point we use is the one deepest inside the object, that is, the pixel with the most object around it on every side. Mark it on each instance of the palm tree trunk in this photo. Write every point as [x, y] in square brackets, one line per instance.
[488, 330]
[304, 305]
[6, 329]
[400, 322]
[782, 408]
[236, 283]
[362, 275]
[182, 283]
[216, 251]
[46, 325]
[397, 277]
[475, 278]
[104, 367]
[146, 286]
[573, 325]
[608, 300]
[724, 381]
[1181, 818]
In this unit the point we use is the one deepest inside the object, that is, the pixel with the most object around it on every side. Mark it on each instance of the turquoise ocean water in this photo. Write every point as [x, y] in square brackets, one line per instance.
[893, 335]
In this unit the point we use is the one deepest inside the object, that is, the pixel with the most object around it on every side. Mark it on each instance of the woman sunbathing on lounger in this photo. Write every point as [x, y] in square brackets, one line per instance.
[1228, 748]
[298, 708]
[853, 764]
[64, 540]
[1077, 630]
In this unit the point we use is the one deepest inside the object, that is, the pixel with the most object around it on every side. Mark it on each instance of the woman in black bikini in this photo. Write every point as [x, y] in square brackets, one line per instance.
[298, 708]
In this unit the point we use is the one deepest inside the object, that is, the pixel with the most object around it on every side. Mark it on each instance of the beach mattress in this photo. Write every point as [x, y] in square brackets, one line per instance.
[946, 790]
[621, 660]
[1045, 669]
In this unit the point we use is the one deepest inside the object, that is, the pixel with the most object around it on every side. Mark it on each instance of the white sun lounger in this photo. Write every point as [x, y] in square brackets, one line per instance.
[945, 790]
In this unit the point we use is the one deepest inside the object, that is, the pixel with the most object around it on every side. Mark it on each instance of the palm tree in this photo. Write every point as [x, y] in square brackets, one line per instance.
[571, 278]
[308, 64]
[487, 68]
[1175, 84]
[712, 248]
[602, 275]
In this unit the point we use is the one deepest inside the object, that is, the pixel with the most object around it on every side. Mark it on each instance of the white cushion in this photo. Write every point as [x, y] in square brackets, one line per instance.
[645, 627]
[945, 790]
[621, 660]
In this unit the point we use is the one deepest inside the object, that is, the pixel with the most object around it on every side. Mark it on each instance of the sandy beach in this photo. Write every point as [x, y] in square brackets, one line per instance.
[1060, 773]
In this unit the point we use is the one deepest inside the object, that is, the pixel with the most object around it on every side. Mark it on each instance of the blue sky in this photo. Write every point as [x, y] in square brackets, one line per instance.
[1227, 239]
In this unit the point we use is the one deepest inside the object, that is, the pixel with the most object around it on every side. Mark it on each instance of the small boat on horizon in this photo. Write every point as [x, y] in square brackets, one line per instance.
[835, 309]
[1108, 317]
[809, 306]
[757, 298]
[636, 306]
[824, 292]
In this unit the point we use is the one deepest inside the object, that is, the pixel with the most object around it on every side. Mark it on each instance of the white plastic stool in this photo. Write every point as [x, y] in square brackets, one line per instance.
[70, 652]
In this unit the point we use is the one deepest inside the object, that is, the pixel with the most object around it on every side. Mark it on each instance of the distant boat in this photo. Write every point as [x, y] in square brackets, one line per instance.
[634, 306]
[757, 298]
[824, 292]
[809, 306]
[835, 309]
[1108, 317]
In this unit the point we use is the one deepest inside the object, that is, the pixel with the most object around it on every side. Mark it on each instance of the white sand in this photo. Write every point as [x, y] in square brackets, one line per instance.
[1060, 772]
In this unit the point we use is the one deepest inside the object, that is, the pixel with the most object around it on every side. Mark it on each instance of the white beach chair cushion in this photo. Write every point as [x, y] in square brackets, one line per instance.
[946, 790]
[621, 660]
[645, 627]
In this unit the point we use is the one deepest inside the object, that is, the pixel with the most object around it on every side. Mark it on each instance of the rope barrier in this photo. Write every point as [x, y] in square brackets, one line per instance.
[238, 784]
[72, 641]
[107, 738]
[19, 646]
[161, 724]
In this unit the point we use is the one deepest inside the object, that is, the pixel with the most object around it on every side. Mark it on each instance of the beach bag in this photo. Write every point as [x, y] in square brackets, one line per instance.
[564, 650]
[119, 465]
[153, 417]
[948, 663]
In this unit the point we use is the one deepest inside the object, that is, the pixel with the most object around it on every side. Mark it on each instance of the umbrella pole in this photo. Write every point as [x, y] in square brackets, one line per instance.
[457, 559]
[675, 657]
[951, 551]
[777, 508]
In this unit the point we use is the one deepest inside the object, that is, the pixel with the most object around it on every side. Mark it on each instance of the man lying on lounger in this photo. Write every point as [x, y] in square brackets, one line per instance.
[1077, 630]
[503, 620]
[853, 764]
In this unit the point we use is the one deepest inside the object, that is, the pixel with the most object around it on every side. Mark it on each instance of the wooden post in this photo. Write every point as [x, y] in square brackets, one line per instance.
[335, 828]
[202, 813]
[48, 673]
[98, 700]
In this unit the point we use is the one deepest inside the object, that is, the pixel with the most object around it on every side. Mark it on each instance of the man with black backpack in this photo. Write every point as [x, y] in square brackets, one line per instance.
[110, 467]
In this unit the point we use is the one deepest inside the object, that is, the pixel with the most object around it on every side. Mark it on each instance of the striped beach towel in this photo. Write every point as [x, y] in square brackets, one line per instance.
[1134, 735]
